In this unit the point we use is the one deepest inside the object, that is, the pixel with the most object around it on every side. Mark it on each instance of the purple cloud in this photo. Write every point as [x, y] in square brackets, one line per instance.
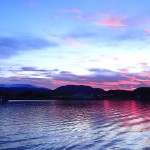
[10, 46]
[100, 78]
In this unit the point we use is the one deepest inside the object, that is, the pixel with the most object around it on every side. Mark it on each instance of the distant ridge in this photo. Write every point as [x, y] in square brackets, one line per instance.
[19, 86]
[27, 91]
[23, 91]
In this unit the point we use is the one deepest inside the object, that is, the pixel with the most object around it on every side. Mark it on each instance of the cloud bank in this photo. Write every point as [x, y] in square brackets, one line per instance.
[100, 78]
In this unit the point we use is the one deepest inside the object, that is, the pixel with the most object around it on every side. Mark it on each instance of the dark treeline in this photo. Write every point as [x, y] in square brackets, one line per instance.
[23, 92]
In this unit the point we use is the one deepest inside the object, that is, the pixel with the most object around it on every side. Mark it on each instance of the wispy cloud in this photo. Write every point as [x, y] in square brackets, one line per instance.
[32, 69]
[33, 72]
[124, 70]
[109, 57]
[71, 41]
[104, 19]
[110, 20]
[83, 34]
[143, 64]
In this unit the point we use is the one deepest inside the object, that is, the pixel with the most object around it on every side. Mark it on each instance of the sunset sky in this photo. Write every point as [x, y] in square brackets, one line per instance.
[100, 43]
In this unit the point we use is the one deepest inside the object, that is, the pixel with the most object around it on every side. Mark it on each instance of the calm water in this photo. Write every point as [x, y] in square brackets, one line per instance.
[58, 125]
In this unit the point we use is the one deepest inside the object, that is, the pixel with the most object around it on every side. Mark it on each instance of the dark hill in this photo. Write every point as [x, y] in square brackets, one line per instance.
[144, 91]
[78, 88]
[23, 91]
[117, 94]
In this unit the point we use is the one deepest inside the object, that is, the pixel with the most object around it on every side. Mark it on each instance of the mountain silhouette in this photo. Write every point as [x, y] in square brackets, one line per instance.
[30, 92]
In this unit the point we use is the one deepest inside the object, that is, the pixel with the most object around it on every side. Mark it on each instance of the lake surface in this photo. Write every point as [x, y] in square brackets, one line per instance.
[75, 125]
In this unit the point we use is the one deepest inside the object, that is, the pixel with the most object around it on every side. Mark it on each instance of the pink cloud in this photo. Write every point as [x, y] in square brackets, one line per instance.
[124, 82]
[116, 58]
[146, 37]
[143, 64]
[133, 78]
[124, 85]
[106, 19]
[145, 74]
[114, 23]
[110, 20]
[76, 11]
[124, 70]
[147, 33]
[147, 30]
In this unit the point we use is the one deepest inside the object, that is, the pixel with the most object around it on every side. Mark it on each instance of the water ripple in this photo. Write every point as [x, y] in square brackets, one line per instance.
[75, 125]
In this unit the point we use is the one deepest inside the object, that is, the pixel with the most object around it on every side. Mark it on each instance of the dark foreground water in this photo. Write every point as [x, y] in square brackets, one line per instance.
[89, 125]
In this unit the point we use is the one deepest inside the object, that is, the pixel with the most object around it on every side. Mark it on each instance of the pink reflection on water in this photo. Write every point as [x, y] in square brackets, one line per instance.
[132, 115]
